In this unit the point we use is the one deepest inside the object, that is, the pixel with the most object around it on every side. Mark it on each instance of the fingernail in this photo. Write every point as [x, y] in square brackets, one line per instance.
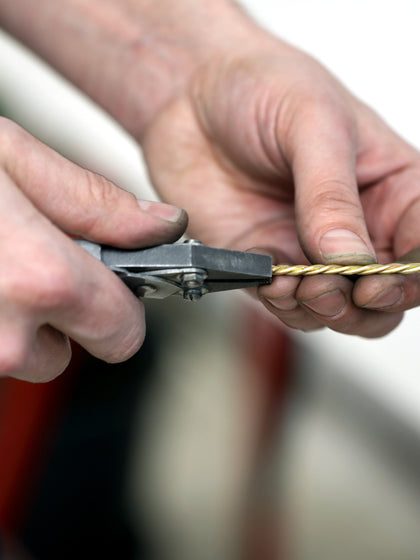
[328, 305]
[345, 247]
[163, 211]
[389, 297]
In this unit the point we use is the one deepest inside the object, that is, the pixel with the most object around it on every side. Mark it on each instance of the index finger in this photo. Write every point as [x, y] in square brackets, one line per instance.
[48, 280]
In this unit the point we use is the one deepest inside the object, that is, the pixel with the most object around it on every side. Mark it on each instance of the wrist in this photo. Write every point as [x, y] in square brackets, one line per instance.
[171, 41]
[130, 56]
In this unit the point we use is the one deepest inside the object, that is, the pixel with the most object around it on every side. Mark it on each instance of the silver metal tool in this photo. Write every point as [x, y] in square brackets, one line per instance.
[189, 269]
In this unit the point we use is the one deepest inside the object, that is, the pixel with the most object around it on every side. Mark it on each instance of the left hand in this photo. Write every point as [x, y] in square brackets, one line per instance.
[266, 149]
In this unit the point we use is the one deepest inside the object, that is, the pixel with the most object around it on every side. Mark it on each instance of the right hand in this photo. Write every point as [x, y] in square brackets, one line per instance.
[50, 288]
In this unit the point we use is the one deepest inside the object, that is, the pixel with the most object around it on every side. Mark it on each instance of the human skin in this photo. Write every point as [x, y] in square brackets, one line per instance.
[255, 139]
[50, 288]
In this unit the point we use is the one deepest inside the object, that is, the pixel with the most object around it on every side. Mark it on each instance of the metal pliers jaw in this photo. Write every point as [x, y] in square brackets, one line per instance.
[189, 269]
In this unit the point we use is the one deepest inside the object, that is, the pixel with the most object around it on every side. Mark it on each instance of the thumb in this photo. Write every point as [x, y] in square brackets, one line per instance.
[329, 215]
[81, 202]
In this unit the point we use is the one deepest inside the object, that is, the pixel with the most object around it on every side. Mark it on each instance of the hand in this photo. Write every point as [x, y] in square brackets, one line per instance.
[266, 149]
[49, 287]
[254, 138]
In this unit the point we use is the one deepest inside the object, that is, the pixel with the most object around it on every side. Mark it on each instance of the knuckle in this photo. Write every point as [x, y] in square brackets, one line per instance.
[325, 104]
[56, 288]
[13, 358]
[101, 189]
[125, 343]
[117, 332]
[103, 198]
[320, 113]
[334, 191]
[127, 347]
[332, 198]
[40, 288]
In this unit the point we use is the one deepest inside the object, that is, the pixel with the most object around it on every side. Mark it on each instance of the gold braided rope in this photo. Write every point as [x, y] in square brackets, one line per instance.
[346, 270]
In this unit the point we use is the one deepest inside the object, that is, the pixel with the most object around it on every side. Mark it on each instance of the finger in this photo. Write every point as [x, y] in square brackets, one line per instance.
[77, 295]
[97, 310]
[47, 277]
[292, 314]
[81, 202]
[394, 293]
[32, 355]
[279, 297]
[329, 300]
[310, 303]
[329, 214]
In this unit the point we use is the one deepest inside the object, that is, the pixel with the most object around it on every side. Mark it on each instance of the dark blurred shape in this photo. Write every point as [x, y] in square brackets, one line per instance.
[79, 509]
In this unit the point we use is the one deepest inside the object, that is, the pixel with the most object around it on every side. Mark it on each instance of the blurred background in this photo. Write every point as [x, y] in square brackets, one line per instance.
[227, 437]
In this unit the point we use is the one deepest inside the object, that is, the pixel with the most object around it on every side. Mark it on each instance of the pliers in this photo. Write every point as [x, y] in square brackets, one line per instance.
[189, 269]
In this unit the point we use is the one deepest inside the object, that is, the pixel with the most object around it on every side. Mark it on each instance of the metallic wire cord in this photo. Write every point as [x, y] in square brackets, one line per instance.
[347, 270]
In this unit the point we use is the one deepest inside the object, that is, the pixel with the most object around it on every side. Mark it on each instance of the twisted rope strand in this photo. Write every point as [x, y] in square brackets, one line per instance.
[346, 270]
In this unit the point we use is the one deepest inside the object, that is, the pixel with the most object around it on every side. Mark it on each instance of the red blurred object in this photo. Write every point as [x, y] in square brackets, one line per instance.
[29, 418]
[270, 350]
